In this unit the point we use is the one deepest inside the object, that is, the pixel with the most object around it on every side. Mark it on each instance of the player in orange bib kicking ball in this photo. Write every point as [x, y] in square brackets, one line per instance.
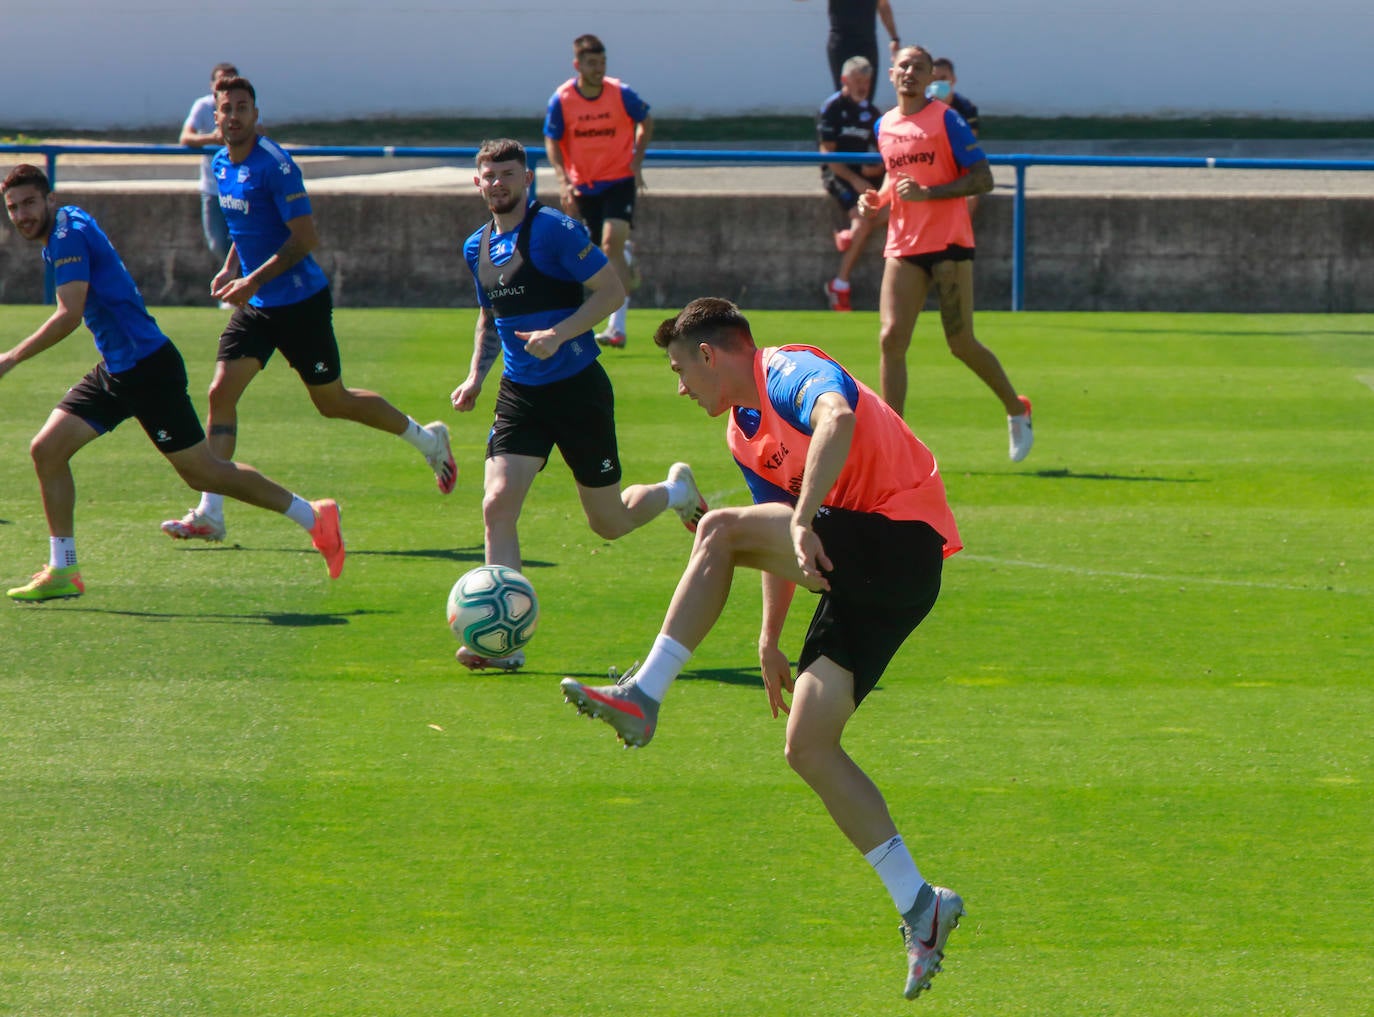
[849, 504]
[933, 165]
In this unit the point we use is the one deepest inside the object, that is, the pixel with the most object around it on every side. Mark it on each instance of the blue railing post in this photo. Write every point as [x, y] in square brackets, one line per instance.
[1018, 241]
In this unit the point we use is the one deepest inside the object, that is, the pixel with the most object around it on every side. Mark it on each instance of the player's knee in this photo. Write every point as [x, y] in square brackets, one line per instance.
[44, 452]
[893, 342]
[806, 758]
[962, 344]
[500, 505]
[714, 530]
[221, 398]
[197, 477]
[332, 404]
[201, 473]
[610, 528]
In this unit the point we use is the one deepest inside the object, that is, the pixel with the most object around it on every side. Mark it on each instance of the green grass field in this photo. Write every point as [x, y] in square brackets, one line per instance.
[1135, 734]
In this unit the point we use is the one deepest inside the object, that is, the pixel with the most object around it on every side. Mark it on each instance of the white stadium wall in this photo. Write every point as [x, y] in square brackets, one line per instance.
[140, 63]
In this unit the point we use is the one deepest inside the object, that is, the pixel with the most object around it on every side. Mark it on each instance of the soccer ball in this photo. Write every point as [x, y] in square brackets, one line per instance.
[493, 610]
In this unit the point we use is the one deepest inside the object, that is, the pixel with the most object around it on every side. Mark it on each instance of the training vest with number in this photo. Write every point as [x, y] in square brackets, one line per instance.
[889, 470]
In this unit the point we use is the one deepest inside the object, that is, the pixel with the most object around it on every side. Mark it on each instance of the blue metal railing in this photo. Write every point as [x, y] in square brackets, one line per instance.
[731, 157]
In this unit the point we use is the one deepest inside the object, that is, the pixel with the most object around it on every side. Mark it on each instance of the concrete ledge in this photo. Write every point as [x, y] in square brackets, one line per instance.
[1167, 253]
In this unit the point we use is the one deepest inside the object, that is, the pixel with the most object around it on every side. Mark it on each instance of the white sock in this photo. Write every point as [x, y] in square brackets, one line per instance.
[211, 505]
[617, 323]
[61, 552]
[677, 492]
[418, 436]
[300, 512]
[664, 663]
[894, 865]
[839, 285]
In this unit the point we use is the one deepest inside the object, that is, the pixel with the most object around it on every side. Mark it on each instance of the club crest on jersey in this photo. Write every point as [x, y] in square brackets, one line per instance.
[244, 174]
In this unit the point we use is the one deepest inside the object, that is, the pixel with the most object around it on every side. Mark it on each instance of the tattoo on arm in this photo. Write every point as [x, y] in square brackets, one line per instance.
[978, 180]
[489, 340]
[232, 429]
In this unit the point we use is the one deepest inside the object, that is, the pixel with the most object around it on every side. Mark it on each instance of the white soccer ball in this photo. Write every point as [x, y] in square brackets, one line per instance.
[493, 610]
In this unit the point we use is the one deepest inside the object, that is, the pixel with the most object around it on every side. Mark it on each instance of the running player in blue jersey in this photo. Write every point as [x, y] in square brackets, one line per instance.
[140, 375]
[283, 303]
[541, 286]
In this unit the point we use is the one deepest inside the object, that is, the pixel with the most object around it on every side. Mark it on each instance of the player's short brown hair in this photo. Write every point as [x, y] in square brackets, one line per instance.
[27, 175]
[237, 84]
[501, 150]
[713, 320]
[588, 43]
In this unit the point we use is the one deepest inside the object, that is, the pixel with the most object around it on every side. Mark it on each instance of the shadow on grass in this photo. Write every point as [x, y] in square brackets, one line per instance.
[475, 555]
[728, 675]
[280, 619]
[1068, 474]
[723, 675]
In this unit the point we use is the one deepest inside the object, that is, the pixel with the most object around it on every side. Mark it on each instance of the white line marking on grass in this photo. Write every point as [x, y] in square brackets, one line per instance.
[1150, 576]
[1368, 379]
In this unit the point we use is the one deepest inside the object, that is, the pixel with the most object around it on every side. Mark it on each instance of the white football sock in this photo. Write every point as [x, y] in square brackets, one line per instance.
[61, 552]
[300, 512]
[663, 664]
[211, 505]
[617, 323]
[677, 493]
[839, 285]
[418, 436]
[894, 865]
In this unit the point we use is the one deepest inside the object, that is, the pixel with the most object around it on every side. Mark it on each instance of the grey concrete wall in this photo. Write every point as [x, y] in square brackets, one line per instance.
[1178, 253]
